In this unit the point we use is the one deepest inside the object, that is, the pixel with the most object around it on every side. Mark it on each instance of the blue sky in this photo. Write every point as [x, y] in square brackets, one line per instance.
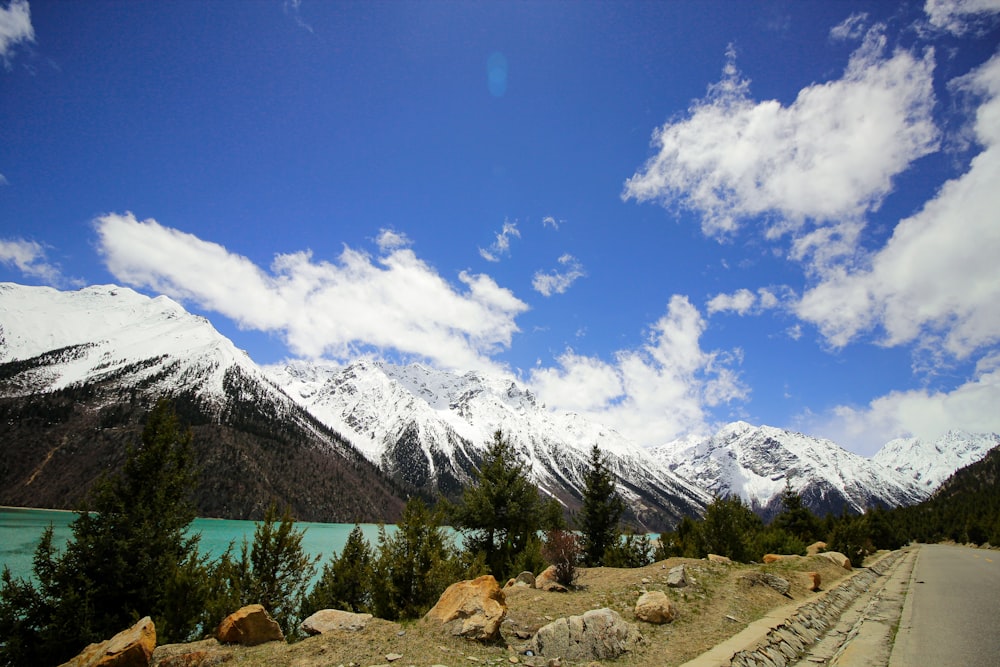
[666, 216]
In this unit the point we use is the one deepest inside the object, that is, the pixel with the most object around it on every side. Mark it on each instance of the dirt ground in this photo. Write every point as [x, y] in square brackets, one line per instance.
[718, 603]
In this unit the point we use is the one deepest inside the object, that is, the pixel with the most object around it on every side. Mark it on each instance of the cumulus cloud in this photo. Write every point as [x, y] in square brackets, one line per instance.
[745, 302]
[960, 16]
[827, 157]
[651, 394]
[15, 28]
[936, 281]
[918, 413]
[30, 258]
[501, 244]
[393, 302]
[558, 281]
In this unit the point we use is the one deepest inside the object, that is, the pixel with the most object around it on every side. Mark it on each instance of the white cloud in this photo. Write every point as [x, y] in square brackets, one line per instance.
[853, 27]
[829, 156]
[937, 280]
[30, 258]
[557, 282]
[744, 302]
[739, 302]
[651, 394]
[394, 302]
[501, 244]
[15, 27]
[959, 16]
[390, 239]
[550, 221]
[925, 414]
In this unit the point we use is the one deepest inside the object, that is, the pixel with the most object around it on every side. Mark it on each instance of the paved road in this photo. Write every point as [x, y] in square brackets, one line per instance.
[952, 611]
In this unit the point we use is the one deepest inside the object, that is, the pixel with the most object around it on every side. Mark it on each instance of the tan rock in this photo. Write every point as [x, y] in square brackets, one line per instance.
[546, 581]
[837, 558]
[326, 620]
[473, 609]
[132, 647]
[249, 626]
[655, 607]
[205, 653]
[814, 580]
[715, 558]
[815, 548]
[774, 558]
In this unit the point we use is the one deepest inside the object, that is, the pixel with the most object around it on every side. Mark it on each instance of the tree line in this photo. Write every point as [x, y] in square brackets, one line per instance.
[130, 554]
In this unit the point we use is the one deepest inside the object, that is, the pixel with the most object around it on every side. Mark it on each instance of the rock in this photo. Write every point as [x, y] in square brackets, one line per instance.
[814, 580]
[655, 607]
[837, 558]
[714, 558]
[546, 581]
[815, 548]
[774, 558]
[249, 626]
[393, 657]
[527, 578]
[768, 579]
[326, 620]
[205, 653]
[131, 647]
[677, 577]
[473, 609]
[599, 634]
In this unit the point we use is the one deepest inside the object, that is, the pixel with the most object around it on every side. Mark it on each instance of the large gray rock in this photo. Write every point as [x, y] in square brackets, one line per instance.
[326, 620]
[600, 634]
[677, 577]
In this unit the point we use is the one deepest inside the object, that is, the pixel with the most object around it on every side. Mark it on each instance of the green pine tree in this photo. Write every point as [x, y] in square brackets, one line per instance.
[347, 580]
[602, 510]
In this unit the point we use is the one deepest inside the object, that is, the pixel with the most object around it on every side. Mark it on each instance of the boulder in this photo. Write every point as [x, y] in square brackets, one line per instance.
[473, 609]
[205, 653]
[131, 647]
[774, 558]
[677, 577]
[715, 558]
[655, 607]
[249, 626]
[527, 578]
[815, 548]
[546, 581]
[326, 620]
[837, 558]
[814, 580]
[599, 634]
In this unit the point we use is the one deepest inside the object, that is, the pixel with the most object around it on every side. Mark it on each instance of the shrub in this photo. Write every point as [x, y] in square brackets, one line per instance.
[562, 549]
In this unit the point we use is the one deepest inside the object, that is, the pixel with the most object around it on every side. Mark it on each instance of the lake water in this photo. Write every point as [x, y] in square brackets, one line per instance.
[20, 530]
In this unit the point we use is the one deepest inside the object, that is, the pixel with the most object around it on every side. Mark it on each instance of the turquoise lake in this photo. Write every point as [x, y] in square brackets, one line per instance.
[20, 530]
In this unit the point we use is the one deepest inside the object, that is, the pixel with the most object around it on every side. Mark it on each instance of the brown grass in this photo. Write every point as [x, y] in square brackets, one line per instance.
[716, 605]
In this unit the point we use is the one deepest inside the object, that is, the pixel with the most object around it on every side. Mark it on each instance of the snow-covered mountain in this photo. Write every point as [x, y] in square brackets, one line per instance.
[78, 370]
[431, 427]
[929, 463]
[755, 463]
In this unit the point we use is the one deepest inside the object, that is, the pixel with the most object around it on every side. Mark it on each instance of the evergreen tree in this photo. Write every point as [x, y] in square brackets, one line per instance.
[273, 571]
[128, 557]
[501, 513]
[347, 581]
[414, 564]
[796, 518]
[728, 528]
[602, 509]
[631, 550]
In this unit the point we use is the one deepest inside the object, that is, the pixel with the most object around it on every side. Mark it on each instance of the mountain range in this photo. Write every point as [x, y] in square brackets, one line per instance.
[348, 442]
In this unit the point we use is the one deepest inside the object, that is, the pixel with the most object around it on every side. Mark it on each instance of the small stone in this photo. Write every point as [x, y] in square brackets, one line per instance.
[393, 657]
[514, 659]
[401, 633]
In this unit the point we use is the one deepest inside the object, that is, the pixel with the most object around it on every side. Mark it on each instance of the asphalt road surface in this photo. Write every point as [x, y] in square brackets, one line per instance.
[952, 611]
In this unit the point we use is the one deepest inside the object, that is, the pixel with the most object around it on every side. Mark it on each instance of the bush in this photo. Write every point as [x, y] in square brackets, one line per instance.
[775, 540]
[631, 550]
[562, 549]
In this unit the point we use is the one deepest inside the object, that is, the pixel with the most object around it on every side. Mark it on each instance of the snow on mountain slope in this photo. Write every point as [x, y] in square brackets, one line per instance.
[929, 463]
[101, 332]
[431, 427]
[755, 463]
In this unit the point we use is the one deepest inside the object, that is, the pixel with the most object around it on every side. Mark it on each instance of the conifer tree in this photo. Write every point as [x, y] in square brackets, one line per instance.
[128, 557]
[347, 580]
[602, 510]
[501, 513]
[796, 518]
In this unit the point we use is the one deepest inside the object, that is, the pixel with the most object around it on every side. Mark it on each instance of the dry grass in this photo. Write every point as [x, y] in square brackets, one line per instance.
[716, 605]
